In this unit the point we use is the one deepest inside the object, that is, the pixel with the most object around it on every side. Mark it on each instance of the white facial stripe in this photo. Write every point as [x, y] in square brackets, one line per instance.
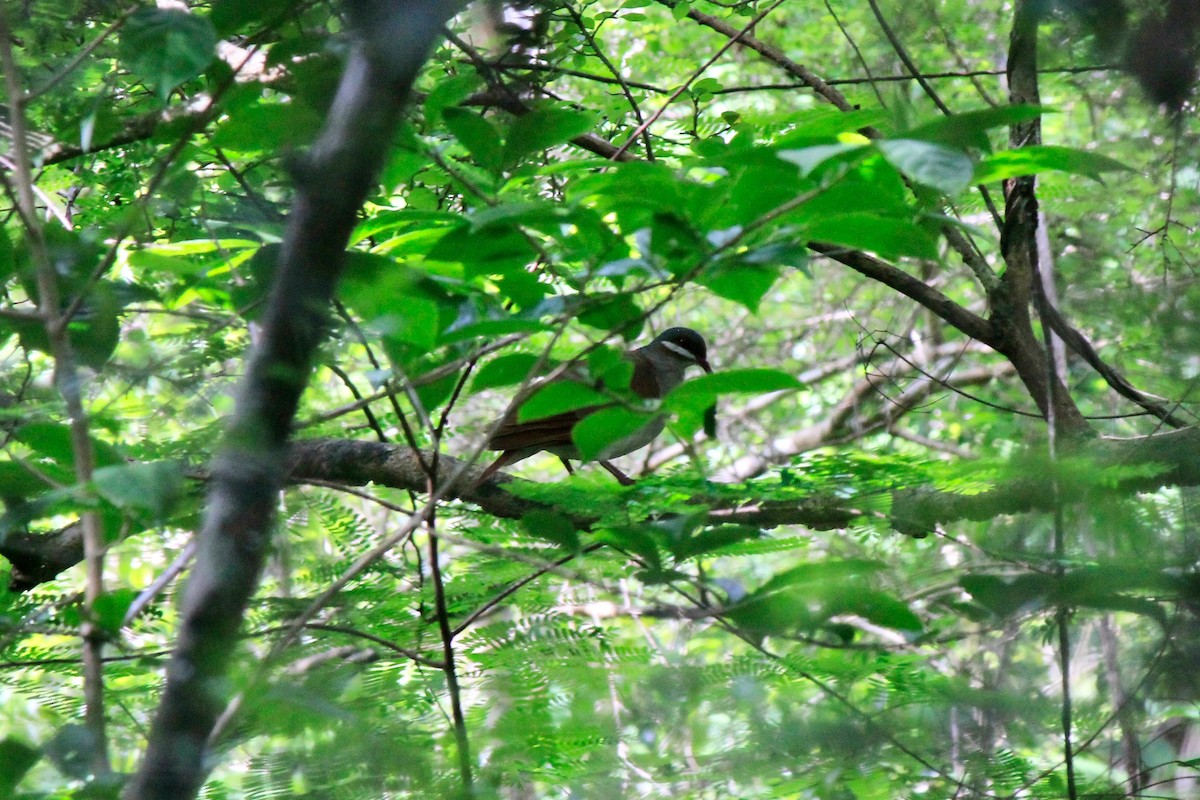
[679, 351]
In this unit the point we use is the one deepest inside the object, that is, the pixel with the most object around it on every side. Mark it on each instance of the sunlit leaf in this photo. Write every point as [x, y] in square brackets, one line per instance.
[1033, 159]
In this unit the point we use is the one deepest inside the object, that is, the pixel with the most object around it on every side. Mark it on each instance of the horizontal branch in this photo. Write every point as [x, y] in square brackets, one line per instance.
[39, 557]
[918, 511]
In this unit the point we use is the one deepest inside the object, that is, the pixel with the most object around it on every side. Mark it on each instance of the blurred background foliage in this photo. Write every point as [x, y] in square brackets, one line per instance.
[536, 206]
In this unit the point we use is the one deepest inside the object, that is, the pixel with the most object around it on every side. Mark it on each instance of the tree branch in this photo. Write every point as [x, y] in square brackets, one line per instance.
[391, 42]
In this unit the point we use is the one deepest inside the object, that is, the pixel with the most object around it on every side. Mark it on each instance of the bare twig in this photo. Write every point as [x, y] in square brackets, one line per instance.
[69, 384]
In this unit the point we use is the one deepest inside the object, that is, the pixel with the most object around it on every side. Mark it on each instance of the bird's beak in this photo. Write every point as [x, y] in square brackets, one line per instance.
[704, 365]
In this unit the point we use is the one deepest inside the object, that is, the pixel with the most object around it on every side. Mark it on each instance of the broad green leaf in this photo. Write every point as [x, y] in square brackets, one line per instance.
[405, 220]
[267, 127]
[605, 429]
[694, 402]
[110, 607]
[890, 237]
[8, 262]
[557, 397]
[96, 329]
[708, 540]
[18, 481]
[494, 250]
[969, 129]
[16, 759]
[612, 312]
[809, 158]
[448, 93]
[699, 393]
[167, 46]
[53, 441]
[634, 539]
[823, 572]
[504, 371]
[191, 247]
[552, 526]
[942, 168]
[478, 134]
[411, 320]
[492, 329]
[873, 606]
[229, 16]
[743, 283]
[771, 613]
[543, 128]
[432, 395]
[152, 487]
[821, 125]
[1045, 158]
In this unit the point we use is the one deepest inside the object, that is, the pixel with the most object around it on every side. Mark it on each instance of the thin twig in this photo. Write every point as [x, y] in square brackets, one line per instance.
[69, 384]
[696, 74]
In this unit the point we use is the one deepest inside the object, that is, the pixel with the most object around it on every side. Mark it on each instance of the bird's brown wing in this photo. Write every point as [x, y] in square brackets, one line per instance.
[542, 433]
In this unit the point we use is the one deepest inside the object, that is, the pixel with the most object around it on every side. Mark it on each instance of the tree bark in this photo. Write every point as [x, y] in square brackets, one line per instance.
[390, 42]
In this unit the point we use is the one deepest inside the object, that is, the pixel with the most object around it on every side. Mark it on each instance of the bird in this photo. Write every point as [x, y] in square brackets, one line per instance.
[657, 369]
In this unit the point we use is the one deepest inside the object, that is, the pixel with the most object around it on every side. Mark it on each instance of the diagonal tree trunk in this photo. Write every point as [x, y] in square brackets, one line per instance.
[391, 41]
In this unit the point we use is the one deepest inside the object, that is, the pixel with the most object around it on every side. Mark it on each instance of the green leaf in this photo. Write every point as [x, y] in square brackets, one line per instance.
[942, 168]
[699, 393]
[8, 259]
[16, 759]
[890, 237]
[492, 328]
[552, 526]
[96, 329]
[969, 129]
[1004, 595]
[167, 46]
[743, 283]
[476, 133]
[414, 322]
[809, 158]
[53, 440]
[694, 402]
[877, 607]
[823, 572]
[558, 397]
[636, 540]
[110, 608]
[152, 487]
[706, 541]
[17, 481]
[504, 371]
[1045, 158]
[448, 93]
[612, 312]
[599, 435]
[543, 128]
[229, 16]
[267, 127]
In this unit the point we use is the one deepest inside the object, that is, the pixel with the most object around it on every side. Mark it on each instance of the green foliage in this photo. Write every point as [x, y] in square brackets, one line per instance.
[167, 46]
[687, 644]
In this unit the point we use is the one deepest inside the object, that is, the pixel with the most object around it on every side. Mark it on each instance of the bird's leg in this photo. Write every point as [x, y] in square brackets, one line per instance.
[621, 477]
[567, 465]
